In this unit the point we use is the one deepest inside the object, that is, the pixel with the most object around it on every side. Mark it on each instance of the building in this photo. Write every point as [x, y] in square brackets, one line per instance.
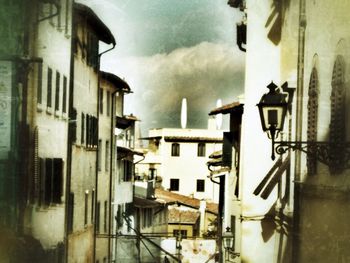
[294, 208]
[224, 166]
[34, 98]
[110, 88]
[172, 151]
[83, 209]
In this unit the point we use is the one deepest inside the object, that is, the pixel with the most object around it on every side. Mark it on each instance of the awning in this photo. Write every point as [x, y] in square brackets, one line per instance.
[272, 178]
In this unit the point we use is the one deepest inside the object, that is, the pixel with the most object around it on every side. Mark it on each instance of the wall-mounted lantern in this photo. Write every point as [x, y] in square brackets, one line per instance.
[273, 108]
[228, 241]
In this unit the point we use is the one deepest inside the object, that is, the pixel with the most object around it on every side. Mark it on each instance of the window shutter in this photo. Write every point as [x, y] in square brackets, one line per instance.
[227, 149]
[48, 181]
[42, 168]
[57, 183]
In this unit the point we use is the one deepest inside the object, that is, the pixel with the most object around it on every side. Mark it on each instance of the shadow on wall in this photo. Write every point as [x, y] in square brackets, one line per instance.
[275, 20]
[19, 249]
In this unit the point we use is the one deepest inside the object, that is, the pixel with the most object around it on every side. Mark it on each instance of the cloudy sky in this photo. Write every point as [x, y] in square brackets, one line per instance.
[173, 49]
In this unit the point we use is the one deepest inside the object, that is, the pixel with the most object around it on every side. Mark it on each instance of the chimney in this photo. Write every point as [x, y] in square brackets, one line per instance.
[211, 123]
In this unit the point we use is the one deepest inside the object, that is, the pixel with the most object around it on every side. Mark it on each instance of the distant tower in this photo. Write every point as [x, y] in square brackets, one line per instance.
[218, 117]
[184, 113]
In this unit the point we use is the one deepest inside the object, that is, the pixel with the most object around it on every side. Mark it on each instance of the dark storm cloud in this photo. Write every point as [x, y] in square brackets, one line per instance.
[202, 74]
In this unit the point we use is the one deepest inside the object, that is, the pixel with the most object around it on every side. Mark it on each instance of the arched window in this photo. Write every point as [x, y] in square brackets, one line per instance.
[312, 109]
[337, 129]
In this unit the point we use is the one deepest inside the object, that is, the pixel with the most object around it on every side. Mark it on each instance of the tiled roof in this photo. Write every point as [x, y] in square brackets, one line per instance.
[192, 139]
[102, 31]
[118, 82]
[176, 215]
[234, 106]
[171, 197]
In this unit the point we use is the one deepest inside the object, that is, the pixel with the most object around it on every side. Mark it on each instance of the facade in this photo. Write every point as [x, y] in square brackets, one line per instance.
[294, 208]
[34, 98]
[172, 151]
[110, 87]
[83, 209]
[48, 117]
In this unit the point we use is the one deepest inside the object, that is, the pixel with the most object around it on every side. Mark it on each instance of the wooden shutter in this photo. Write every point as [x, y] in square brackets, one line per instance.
[57, 182]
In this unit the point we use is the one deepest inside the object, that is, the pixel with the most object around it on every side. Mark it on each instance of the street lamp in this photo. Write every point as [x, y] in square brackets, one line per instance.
[273, 108]
[228, 241]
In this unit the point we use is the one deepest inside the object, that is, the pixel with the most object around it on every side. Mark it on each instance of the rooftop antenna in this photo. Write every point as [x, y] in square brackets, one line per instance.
[184, 113]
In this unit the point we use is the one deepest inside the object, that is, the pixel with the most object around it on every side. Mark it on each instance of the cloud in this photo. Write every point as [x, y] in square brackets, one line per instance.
[202, 74]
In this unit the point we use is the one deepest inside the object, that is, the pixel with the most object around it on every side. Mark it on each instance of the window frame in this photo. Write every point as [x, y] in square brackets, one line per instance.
[175, 149]
[174, 184]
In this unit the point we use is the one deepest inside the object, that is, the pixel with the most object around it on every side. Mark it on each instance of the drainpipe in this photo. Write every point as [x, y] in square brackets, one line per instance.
[96, 172]
[68, 216]
[298, 132]
[111, 166]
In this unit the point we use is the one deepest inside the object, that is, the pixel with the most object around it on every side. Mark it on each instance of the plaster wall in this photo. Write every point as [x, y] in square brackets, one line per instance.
[262, 66]
[177, 167]
[53, 45]
[324, 209]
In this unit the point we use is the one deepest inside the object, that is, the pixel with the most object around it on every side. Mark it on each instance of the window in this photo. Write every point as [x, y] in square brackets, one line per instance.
[57, 93]
[92, 205]
[312, 108]
[101, 100]
[337, 131]
[105, 217]
[91, 129]
[82, 128]
[127, 170]
[98, 205]
[108, 103]
[99, 156]
[40, 83]
[86, 208]
[119, 216]
[175, 149]
[51, 180]
[174, 184]
[200, 185]
[49, 88]
[70, 212]
[201, 149]
[107, 156]
[64, 96]
[92, 50]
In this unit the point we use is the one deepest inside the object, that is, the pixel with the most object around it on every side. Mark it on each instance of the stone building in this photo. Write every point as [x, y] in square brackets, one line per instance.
[83, 211]
[294, 209]
[170, 154]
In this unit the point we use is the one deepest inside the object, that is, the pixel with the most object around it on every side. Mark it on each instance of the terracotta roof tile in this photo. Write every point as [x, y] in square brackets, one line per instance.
[171, 197]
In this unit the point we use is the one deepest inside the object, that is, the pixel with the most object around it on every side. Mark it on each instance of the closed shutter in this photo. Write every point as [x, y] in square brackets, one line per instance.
[57, 182]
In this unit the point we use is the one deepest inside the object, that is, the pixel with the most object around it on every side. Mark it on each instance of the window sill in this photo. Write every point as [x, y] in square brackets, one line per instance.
[57, 114]
[39, 107]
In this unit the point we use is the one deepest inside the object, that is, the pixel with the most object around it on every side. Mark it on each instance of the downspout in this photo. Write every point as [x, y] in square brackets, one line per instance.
[71, 123]
[96, 172]
[298, 132]
[111, 166]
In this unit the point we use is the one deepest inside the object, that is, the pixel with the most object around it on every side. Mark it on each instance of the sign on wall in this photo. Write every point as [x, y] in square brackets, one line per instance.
[5, 107]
